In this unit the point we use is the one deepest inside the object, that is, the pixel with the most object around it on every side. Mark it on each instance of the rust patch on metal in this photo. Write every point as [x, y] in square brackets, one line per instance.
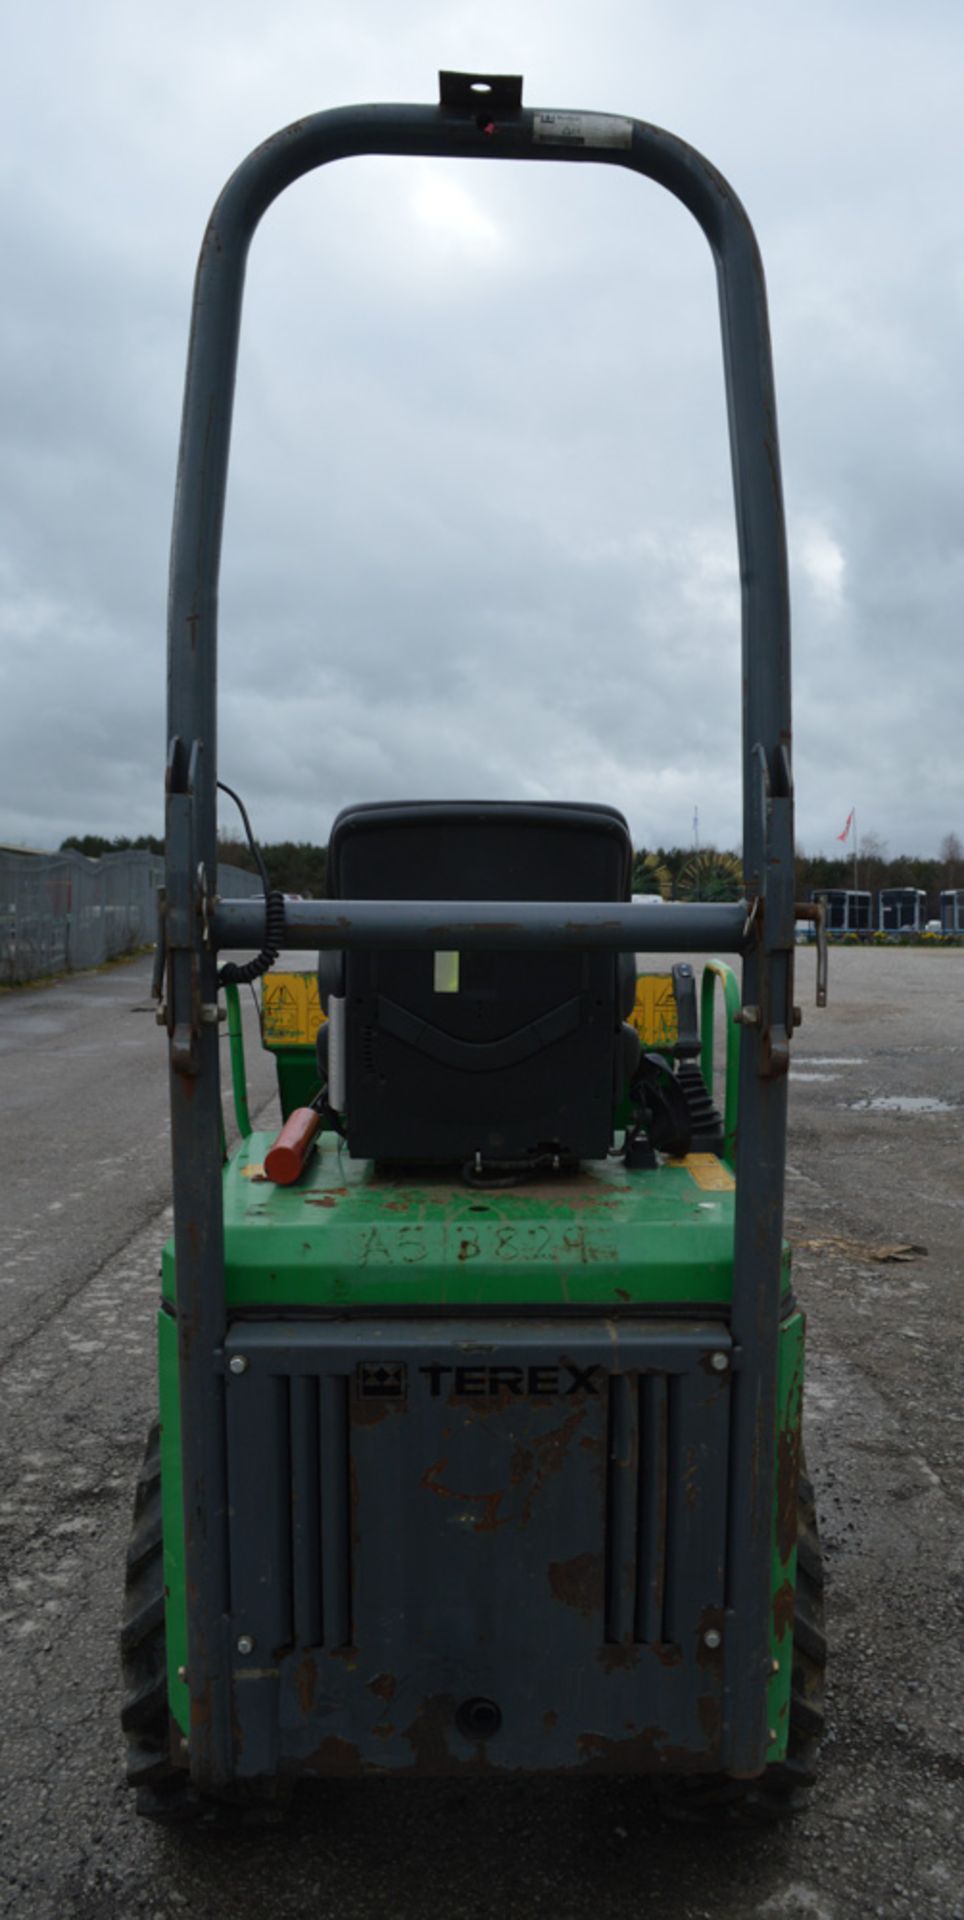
[668, 1654]
[369, 1413]
[427, 1735]
[336, 1756]
[551, 1452]
[428, 1477]
[201, 1709]
[619, 1658]
[784, 1608]
[639, 1753]
[384, 1686]
[320, 1200]
[710, 1709]
[579, 1582]
[488, 1520]
[788, 1475]
[306, 1679]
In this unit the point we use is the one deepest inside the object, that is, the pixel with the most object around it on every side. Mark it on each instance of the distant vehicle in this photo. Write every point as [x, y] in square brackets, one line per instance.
[933, 926]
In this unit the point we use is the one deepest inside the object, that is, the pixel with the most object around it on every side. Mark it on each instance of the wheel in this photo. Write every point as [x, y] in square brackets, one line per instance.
[782, 1790]
[163, 1790]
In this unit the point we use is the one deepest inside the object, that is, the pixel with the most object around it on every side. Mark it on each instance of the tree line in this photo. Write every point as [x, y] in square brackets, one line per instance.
[675, 873]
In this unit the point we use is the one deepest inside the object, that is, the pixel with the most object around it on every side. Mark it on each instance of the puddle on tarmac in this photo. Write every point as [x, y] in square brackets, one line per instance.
[904, 1103]
[836, 1060]
[820, 1060]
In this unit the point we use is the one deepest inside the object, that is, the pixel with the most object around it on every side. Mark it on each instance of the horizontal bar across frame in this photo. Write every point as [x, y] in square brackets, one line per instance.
[450, 924]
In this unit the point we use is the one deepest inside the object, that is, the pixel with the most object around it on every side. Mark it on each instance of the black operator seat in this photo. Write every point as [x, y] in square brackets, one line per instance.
[506, 1055]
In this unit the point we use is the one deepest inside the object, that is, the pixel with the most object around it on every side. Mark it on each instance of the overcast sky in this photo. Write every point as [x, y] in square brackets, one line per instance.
[480, 537]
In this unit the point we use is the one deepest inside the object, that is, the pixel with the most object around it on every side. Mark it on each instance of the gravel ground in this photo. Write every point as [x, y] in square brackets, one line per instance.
[883, 1835]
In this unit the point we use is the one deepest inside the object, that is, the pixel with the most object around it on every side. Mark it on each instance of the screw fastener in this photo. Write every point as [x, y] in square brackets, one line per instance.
[238, 1363]
[772, 1736]
[245, 1643]
[718, 1361]
[774, 1666]
[712, 1637]
[182, 1673]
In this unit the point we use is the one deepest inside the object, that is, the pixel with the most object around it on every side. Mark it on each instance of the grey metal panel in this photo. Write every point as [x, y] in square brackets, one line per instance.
[199, 510]
[261, 1616]
[336, 1527]
[495, 1548]
[487, 923]
[622, 1546]
[306, 1511]
[651, 1581]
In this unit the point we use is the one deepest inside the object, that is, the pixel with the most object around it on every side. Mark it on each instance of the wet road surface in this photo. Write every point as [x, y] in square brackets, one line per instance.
[85, 1159]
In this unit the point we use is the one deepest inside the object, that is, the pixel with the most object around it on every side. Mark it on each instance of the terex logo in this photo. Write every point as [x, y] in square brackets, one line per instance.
[488, 1381]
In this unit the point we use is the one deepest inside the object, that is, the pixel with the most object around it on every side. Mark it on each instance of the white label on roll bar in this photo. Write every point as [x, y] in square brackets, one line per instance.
[582, 129]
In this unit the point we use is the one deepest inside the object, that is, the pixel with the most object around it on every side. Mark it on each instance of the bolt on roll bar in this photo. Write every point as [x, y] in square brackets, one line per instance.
[479, 117]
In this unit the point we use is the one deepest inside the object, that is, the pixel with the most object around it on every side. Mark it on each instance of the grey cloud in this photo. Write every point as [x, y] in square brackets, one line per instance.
[479, 534]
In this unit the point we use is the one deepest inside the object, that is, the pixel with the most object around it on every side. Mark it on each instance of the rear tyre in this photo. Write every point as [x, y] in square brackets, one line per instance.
[784, 1787]
[163, 1791]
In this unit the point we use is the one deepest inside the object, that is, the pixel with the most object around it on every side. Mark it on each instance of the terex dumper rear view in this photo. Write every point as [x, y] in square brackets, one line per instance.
[480, 1386]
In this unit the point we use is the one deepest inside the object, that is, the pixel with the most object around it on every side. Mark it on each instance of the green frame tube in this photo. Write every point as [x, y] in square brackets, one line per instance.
[239, 1078]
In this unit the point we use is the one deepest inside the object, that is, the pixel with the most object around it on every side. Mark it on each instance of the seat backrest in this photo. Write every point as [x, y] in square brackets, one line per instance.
[502, 1054]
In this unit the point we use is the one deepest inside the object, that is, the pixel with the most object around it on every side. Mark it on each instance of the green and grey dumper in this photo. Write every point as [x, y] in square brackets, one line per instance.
[479, 1442]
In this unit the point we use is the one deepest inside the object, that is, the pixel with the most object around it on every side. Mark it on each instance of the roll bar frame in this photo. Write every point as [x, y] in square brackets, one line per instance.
[478, 117]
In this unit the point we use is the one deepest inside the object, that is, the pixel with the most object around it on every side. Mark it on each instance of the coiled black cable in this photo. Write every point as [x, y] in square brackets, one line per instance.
[241, 975]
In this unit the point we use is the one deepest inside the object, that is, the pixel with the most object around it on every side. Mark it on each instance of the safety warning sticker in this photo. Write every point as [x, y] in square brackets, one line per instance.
[582, 129]
[654, 1015]
[290, 1009]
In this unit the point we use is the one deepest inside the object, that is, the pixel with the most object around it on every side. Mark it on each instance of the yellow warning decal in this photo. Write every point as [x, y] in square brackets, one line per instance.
[708, 1172]
[654, 1015]
[290, 1009]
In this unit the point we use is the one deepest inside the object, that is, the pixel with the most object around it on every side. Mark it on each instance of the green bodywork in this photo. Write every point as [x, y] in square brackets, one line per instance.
[344, 1238]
